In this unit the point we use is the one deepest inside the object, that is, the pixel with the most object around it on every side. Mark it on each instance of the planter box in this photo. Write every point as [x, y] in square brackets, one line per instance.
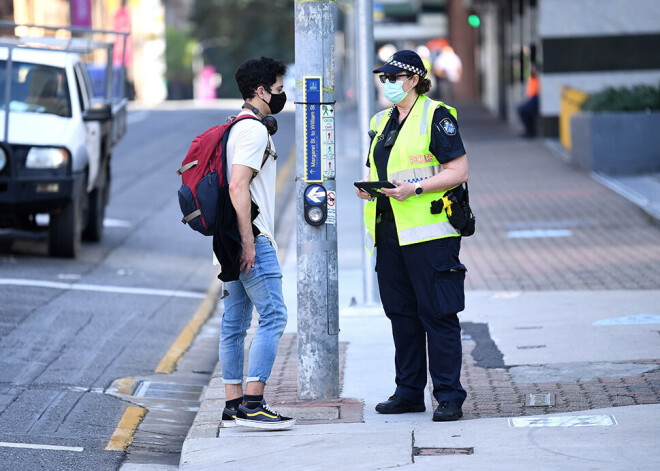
[616, 143]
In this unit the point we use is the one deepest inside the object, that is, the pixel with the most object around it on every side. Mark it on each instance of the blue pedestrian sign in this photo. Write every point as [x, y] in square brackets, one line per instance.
[313, 94]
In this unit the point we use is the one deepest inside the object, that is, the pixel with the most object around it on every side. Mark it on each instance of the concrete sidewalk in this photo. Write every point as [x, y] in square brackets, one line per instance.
[562, 305]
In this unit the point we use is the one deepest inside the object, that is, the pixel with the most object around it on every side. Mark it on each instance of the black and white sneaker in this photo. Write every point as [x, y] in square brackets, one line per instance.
[262, 417]
[228, 418]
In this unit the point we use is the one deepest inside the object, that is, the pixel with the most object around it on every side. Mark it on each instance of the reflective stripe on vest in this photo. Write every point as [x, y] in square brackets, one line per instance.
[429, 232]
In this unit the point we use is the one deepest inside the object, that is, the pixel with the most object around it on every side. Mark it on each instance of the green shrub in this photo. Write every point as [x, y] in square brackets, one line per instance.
[637, 98]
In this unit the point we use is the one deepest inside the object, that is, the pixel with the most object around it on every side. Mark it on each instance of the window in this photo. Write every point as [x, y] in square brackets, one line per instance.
[36, 88]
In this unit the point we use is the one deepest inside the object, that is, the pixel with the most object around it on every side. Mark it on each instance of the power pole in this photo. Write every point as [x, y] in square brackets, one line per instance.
[365, 60]
[318, 302]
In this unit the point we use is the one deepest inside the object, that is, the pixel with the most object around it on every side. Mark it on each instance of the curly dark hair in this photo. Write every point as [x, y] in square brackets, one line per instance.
[423, 86]
[254, 73]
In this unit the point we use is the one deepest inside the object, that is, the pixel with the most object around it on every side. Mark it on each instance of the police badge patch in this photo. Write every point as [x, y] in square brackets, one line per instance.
[448, 127]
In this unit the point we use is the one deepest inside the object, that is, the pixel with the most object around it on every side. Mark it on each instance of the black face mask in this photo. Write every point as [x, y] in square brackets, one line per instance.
[277, 102]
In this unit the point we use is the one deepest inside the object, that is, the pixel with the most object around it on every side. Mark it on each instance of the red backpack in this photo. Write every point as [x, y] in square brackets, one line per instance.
[203, 173]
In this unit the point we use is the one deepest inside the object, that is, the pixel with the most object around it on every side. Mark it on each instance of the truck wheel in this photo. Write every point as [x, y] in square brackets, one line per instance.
[96, 212]
[65, 228]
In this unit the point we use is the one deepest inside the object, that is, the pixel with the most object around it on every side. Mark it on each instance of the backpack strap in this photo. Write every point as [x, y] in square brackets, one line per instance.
[267, 153]
[191, 216]
[188, 166]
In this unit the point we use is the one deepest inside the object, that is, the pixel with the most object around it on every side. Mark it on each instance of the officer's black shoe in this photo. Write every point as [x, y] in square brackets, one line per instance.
[447, 412]
[399, 405]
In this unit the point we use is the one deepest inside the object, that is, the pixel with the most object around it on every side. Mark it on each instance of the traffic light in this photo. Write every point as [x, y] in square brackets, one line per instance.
[474, 21]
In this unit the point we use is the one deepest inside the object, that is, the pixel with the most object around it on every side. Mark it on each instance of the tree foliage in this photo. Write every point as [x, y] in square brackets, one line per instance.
[636, 98]
[246, 29]
[178, 54]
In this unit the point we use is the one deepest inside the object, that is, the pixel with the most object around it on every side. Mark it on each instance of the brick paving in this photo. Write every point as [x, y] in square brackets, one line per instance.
[521, 185]
[491, 391]
[283, 383]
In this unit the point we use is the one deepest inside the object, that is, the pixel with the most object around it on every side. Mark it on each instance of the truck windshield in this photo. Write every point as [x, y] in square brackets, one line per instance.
[35, 88]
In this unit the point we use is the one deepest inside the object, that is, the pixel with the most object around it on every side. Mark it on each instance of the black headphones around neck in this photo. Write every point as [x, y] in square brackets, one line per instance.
[269, 121]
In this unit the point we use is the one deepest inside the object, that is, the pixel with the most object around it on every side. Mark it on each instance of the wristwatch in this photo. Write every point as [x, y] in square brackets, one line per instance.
[418, 189]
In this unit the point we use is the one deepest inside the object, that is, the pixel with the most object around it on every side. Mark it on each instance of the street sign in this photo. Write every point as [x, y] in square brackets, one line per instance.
[313, 94]
[332, 208]
[328, 141]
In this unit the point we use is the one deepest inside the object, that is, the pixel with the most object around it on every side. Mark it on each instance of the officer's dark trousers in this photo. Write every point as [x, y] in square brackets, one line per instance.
[421, 296]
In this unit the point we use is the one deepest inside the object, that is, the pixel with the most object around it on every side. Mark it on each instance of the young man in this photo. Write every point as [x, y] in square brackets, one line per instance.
[260, 280]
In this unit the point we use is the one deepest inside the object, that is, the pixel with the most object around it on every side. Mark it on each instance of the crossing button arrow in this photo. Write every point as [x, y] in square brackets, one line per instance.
[315, 194]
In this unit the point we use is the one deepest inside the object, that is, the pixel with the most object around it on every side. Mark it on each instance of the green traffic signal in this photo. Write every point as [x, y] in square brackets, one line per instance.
[474, 21]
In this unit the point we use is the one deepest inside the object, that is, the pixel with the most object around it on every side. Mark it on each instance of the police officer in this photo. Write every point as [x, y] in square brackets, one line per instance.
[417, 146]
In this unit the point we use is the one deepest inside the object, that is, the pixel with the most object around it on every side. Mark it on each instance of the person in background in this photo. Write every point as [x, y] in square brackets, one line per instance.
[417, 145]
[425, 54]
[449, 69]
[529, 109]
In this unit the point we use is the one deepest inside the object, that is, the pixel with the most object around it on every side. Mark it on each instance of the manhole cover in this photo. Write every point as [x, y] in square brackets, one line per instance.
[442, 451]
[540, 400]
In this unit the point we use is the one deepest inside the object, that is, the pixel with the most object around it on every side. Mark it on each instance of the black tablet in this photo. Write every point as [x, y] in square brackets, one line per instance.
[373, 188]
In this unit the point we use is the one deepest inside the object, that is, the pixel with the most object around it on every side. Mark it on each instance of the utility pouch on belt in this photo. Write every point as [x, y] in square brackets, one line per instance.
[458, 212]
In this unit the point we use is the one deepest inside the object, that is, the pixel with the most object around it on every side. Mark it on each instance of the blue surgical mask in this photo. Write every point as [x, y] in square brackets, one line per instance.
[394, 91]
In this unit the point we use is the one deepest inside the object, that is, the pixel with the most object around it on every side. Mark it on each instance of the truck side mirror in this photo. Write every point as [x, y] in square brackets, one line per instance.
[98, 112]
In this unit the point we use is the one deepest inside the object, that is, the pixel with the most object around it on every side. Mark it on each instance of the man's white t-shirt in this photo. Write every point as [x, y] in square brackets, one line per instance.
[246, 146]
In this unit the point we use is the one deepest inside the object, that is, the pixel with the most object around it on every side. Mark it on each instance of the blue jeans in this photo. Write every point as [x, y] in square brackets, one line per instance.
[260, 289]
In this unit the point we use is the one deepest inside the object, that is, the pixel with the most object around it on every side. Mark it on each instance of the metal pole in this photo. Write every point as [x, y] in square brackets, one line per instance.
[318, 305]
[8, 75]
[365, 62]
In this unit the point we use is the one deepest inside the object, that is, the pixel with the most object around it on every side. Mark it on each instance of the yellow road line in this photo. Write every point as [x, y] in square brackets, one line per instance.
[185, 339]
[125, 431]
[286, 170]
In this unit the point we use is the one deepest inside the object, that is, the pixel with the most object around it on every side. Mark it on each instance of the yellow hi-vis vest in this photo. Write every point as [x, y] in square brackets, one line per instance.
[412, 161]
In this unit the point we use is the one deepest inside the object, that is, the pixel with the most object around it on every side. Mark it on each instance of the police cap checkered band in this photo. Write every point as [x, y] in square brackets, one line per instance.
[404, 60]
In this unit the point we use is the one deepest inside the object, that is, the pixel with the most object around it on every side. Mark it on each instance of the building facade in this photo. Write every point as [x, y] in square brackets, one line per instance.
[584, 44]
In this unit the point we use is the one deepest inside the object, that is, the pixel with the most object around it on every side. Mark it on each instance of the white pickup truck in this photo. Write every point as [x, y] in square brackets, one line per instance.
[56, 138]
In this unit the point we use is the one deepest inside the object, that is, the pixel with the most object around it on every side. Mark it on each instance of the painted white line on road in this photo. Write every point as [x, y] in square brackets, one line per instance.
[506, 295]
[539, 233]
[573, 421]
[35, 446]
[102, 289]
[630, 320]
[109, 222]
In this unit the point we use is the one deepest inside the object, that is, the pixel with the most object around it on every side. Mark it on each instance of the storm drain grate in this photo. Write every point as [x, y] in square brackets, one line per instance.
[442, 451]
[162, 390]
[540, 400]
